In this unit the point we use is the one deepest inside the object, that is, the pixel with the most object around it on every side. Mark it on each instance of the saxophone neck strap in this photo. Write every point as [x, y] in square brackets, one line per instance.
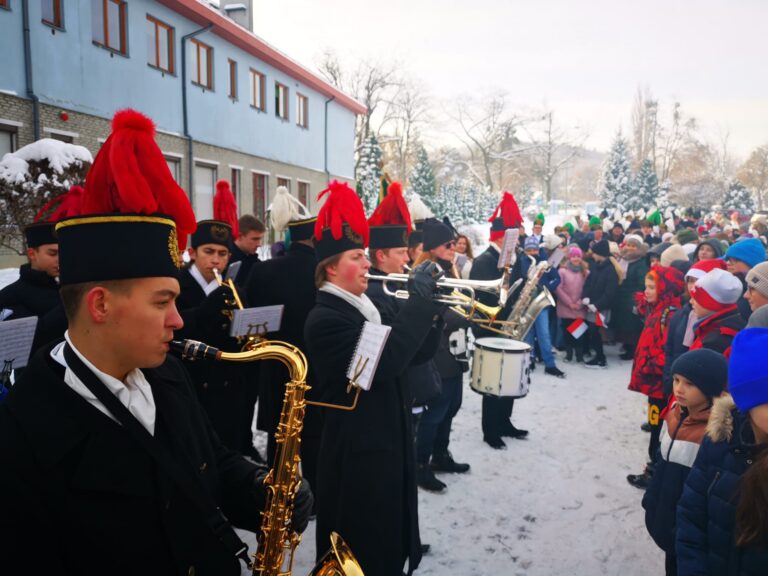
[186, 481]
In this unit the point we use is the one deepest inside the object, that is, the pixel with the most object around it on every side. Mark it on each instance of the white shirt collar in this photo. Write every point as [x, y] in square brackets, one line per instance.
[207, 287]
[135, 393]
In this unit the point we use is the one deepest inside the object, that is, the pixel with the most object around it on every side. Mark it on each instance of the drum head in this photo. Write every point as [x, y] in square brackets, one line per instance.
[502, 344]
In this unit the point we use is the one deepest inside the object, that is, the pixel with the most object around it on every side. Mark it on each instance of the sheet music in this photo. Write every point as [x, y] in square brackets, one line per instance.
[556, 257]
[233, 270]
[365, 360]
[16, 340]
[507, 253]
[260, 320]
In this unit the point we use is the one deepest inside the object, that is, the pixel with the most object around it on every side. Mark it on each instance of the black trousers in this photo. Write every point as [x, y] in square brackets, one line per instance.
[670, 564]
[573, 344]
[655, 406]
[497, 412]
[596, 341]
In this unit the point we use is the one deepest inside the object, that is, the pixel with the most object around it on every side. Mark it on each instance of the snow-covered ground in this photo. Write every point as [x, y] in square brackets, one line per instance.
[555, 503]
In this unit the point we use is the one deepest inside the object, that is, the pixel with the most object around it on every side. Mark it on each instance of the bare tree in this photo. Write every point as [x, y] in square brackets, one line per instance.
[645, 127]
[552, 151]
[682, 132]
[754, 173]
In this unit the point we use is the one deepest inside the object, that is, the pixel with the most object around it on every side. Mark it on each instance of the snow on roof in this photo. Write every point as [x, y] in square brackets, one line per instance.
[60, 155]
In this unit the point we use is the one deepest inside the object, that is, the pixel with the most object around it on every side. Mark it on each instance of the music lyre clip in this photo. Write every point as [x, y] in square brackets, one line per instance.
[359, 369]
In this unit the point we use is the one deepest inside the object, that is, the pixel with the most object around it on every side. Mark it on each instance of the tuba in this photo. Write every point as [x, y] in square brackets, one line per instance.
[277, 542]
[530, 303]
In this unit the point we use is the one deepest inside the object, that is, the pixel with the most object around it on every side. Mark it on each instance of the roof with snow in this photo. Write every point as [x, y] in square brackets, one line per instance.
[204, 14]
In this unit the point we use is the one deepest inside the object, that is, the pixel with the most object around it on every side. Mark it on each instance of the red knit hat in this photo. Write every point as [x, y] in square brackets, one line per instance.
[510, 216]
[717, 290]
[130, 175]
[225, 207]
[341, 223]
[701, 267]
[390, 223]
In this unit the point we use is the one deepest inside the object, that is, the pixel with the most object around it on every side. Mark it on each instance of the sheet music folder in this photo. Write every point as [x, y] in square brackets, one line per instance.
[365, 360]
[16, 340]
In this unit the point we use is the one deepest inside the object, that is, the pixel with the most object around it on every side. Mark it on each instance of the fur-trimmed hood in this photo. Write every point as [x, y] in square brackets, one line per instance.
[720, 425]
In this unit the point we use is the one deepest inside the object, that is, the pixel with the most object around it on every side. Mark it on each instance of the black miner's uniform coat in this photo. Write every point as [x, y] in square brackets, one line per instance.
[496, 411]
[287, 280]
[366, 456]
[36, 293]
[79, 496]
[222, 387]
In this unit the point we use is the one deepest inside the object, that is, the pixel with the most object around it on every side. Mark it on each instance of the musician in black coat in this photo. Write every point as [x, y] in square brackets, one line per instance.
[36, 292]
[244, 247]
[287, 280]
[222, 388]
[497, 411]
[363, 490]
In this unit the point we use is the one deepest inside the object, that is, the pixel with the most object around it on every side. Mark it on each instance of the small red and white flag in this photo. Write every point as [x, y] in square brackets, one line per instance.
[600, 320]
[577, 328]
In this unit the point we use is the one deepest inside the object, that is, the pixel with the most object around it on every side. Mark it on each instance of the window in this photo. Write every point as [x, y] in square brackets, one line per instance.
[202, 64]
[205, 184]
[234, 182]
[304, 193]
[7, 140]
[159, 45]
[61, 137]
[281, 101]
[174, 165]
[109, 24]
[52, 13]
[281, 181]
[260, 182]
[302, 110]
[232, 79]
[5, 4]
[258, 89]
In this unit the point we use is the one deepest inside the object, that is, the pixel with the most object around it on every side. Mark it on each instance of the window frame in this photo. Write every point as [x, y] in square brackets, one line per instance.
[123, 14]
[306, 195]
[232, 65]
[259, 206]
[13, 132]
[255, 75]
[171, 46]
[5, 5]
[279, 86]
[58, 16]
[283, 181]
[236, 183]
[302, 111]
[209, 61]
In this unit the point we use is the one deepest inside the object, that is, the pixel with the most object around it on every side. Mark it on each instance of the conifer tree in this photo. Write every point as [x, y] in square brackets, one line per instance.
[368, 175]
[738, 198]
[422, 180]
[645, 193]
[616, 184]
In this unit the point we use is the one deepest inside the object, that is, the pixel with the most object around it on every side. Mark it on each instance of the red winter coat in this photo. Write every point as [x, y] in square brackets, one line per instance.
[648, 366]
[716, 332]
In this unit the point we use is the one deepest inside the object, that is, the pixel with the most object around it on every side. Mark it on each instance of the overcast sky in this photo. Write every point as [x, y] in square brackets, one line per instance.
[583, 58]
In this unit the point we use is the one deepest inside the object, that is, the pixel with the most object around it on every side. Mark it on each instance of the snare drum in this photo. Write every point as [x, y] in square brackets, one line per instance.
[501, 367]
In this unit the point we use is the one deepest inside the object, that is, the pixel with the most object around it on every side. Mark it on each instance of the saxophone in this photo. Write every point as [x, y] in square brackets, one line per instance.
[530, 303]
[277, 542]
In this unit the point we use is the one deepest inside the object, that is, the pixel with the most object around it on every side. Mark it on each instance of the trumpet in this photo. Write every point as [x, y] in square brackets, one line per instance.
[453, 291]
[229, 284]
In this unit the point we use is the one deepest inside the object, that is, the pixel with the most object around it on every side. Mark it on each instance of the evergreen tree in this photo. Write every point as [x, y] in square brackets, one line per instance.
[645, 190]
[369, 173]
[738, 198]
[663, 202]
[616, 184]
[422, 180]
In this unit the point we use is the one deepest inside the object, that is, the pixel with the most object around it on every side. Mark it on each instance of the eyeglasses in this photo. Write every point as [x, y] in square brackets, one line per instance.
[449, 245]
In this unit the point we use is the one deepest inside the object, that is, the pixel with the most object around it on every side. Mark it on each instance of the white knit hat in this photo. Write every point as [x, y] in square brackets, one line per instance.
[717, 290]
[757, 278]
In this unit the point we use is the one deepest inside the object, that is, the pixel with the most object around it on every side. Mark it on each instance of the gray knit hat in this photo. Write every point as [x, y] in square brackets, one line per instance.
[757, 278]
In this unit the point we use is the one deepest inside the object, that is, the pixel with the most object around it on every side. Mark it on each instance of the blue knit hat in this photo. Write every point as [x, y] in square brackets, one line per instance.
[705, 369]
[531, 242]
[747, 376]
[749, 251]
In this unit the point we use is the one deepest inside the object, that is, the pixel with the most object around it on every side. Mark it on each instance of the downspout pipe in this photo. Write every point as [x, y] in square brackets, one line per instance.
[185, 113]
[325, 148]
[28, 70]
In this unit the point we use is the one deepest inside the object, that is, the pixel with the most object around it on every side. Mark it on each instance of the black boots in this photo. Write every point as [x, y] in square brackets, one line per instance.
[445, 463]
[426, 479]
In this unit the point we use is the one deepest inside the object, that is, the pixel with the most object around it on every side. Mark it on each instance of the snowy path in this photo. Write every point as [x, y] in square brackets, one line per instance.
[556, 503]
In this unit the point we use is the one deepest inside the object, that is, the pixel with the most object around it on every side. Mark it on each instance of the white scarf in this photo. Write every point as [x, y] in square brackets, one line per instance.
[362, 302]
[135, 393]
[207, 287]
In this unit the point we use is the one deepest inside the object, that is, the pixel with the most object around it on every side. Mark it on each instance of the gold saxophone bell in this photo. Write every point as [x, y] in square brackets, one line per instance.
[337, 561]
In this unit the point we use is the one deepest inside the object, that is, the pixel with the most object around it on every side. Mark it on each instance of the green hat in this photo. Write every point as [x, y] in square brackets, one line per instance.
[595, 221]
[687, 235]
[539, 219]
[655, 218]
[568, 226]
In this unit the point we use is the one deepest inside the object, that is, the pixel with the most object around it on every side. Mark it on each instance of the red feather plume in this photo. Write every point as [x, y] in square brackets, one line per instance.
[342, 206]
[225, 207]
[63, 206]
[130, 175]
[510, 212]
[393, 210]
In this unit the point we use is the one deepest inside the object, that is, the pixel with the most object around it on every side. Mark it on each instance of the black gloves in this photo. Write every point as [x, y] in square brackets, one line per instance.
[303, 503]
[210, 309]
[423, 280]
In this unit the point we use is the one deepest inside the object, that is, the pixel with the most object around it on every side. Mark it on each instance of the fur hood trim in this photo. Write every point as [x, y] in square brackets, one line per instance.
[720, 425]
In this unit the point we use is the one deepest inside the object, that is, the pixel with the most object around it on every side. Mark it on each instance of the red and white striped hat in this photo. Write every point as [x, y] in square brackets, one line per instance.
[717, 290]
[700, 269]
